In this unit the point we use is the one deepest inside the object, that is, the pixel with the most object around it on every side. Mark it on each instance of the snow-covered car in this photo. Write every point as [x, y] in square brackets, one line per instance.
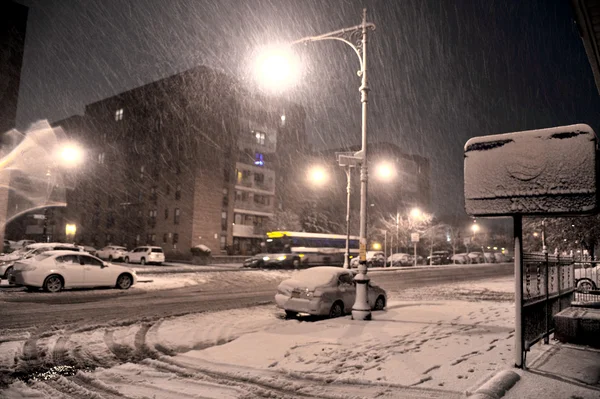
[111, 253]
[21, 244]
[324, 291]
[146, 254]
[476, 257]
[374, 259]
[31, 250]
[439, 258]
[489, 257]
[399, 259]
[90, 250]
[55, 270]
[460, 259]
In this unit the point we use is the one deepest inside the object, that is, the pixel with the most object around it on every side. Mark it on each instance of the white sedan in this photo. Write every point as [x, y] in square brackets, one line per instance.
[55, 270]
[324, 291]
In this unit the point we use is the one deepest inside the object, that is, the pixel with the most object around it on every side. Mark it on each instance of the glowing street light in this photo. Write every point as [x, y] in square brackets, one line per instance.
[317, 175]
[71, 155]
[416, 213]
[376, 246]
[475, 228]
[385, 171]
[277, 68]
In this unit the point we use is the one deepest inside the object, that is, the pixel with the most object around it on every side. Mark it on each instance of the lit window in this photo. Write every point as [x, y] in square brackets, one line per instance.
[259, 159]
[176, 218]
[119, 114]
[142, 169]
[260, 137]
[101, 157]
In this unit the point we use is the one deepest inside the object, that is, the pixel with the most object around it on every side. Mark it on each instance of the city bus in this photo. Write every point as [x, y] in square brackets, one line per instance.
[298, 249]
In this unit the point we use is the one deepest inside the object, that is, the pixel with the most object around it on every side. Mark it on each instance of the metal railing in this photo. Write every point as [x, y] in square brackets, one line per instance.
[587, 282]
[548, 288]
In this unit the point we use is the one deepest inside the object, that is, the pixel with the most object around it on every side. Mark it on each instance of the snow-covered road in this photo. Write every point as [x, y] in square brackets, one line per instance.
[430, 348]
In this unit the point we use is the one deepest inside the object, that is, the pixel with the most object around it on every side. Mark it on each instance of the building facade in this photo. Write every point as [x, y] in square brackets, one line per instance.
[13, 25]
[191, 159]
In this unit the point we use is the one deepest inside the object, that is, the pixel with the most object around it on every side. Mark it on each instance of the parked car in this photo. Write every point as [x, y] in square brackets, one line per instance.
[21, 243]
[7, 261]
[90, 250]
[374, 259]
[476, 257]
[399, 259]
[489, 257]
[460, 259]
[324, 291]
[146, 254]
[112, 253]
[55, 270]
[439, 258]
[501, 258]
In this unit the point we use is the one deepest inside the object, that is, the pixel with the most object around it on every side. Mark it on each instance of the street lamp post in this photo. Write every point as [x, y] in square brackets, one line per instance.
[357, 37]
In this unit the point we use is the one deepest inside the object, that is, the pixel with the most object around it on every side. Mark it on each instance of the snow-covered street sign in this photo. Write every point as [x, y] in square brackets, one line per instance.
[414, 237]
[537, 172]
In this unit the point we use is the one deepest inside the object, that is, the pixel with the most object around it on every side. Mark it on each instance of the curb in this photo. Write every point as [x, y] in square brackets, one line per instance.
[497, 386]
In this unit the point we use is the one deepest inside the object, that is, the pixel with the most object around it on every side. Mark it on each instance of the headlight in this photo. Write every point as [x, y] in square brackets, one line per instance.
[282, 257]
[266, 258]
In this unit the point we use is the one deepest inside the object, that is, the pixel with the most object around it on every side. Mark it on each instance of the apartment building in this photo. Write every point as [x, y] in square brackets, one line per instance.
[187, 160]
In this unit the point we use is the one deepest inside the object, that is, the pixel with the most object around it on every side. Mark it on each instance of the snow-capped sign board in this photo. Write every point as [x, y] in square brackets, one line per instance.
[537, 172]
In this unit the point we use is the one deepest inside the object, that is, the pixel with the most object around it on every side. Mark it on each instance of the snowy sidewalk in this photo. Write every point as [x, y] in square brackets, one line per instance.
[414, 349]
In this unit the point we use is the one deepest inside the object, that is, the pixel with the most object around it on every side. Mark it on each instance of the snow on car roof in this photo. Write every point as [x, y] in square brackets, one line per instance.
[321, 275]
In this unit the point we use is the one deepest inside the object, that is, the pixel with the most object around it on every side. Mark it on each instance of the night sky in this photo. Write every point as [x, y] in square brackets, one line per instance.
[440, 71]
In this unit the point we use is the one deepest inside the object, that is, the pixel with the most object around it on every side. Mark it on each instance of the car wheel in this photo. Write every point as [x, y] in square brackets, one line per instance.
[110, 258]
[296, 263]
[127, 259]
[53, 283]
[337, 310]
[124, 281]
[380, 303]
[143, 261]
[586, 285]
[289, 314]
[8, 272]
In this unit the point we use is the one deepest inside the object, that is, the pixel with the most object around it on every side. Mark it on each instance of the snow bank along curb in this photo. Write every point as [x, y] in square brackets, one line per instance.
[497, 386]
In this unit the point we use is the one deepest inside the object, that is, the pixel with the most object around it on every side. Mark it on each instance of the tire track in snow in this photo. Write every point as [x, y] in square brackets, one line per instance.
[122, 352]
[60, 353]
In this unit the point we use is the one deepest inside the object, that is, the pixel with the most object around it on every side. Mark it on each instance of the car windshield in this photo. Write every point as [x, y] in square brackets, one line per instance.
[159, 250]
[314, 277]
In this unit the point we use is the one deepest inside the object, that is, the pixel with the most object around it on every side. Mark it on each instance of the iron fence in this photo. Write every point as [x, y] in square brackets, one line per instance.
[548, 288]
